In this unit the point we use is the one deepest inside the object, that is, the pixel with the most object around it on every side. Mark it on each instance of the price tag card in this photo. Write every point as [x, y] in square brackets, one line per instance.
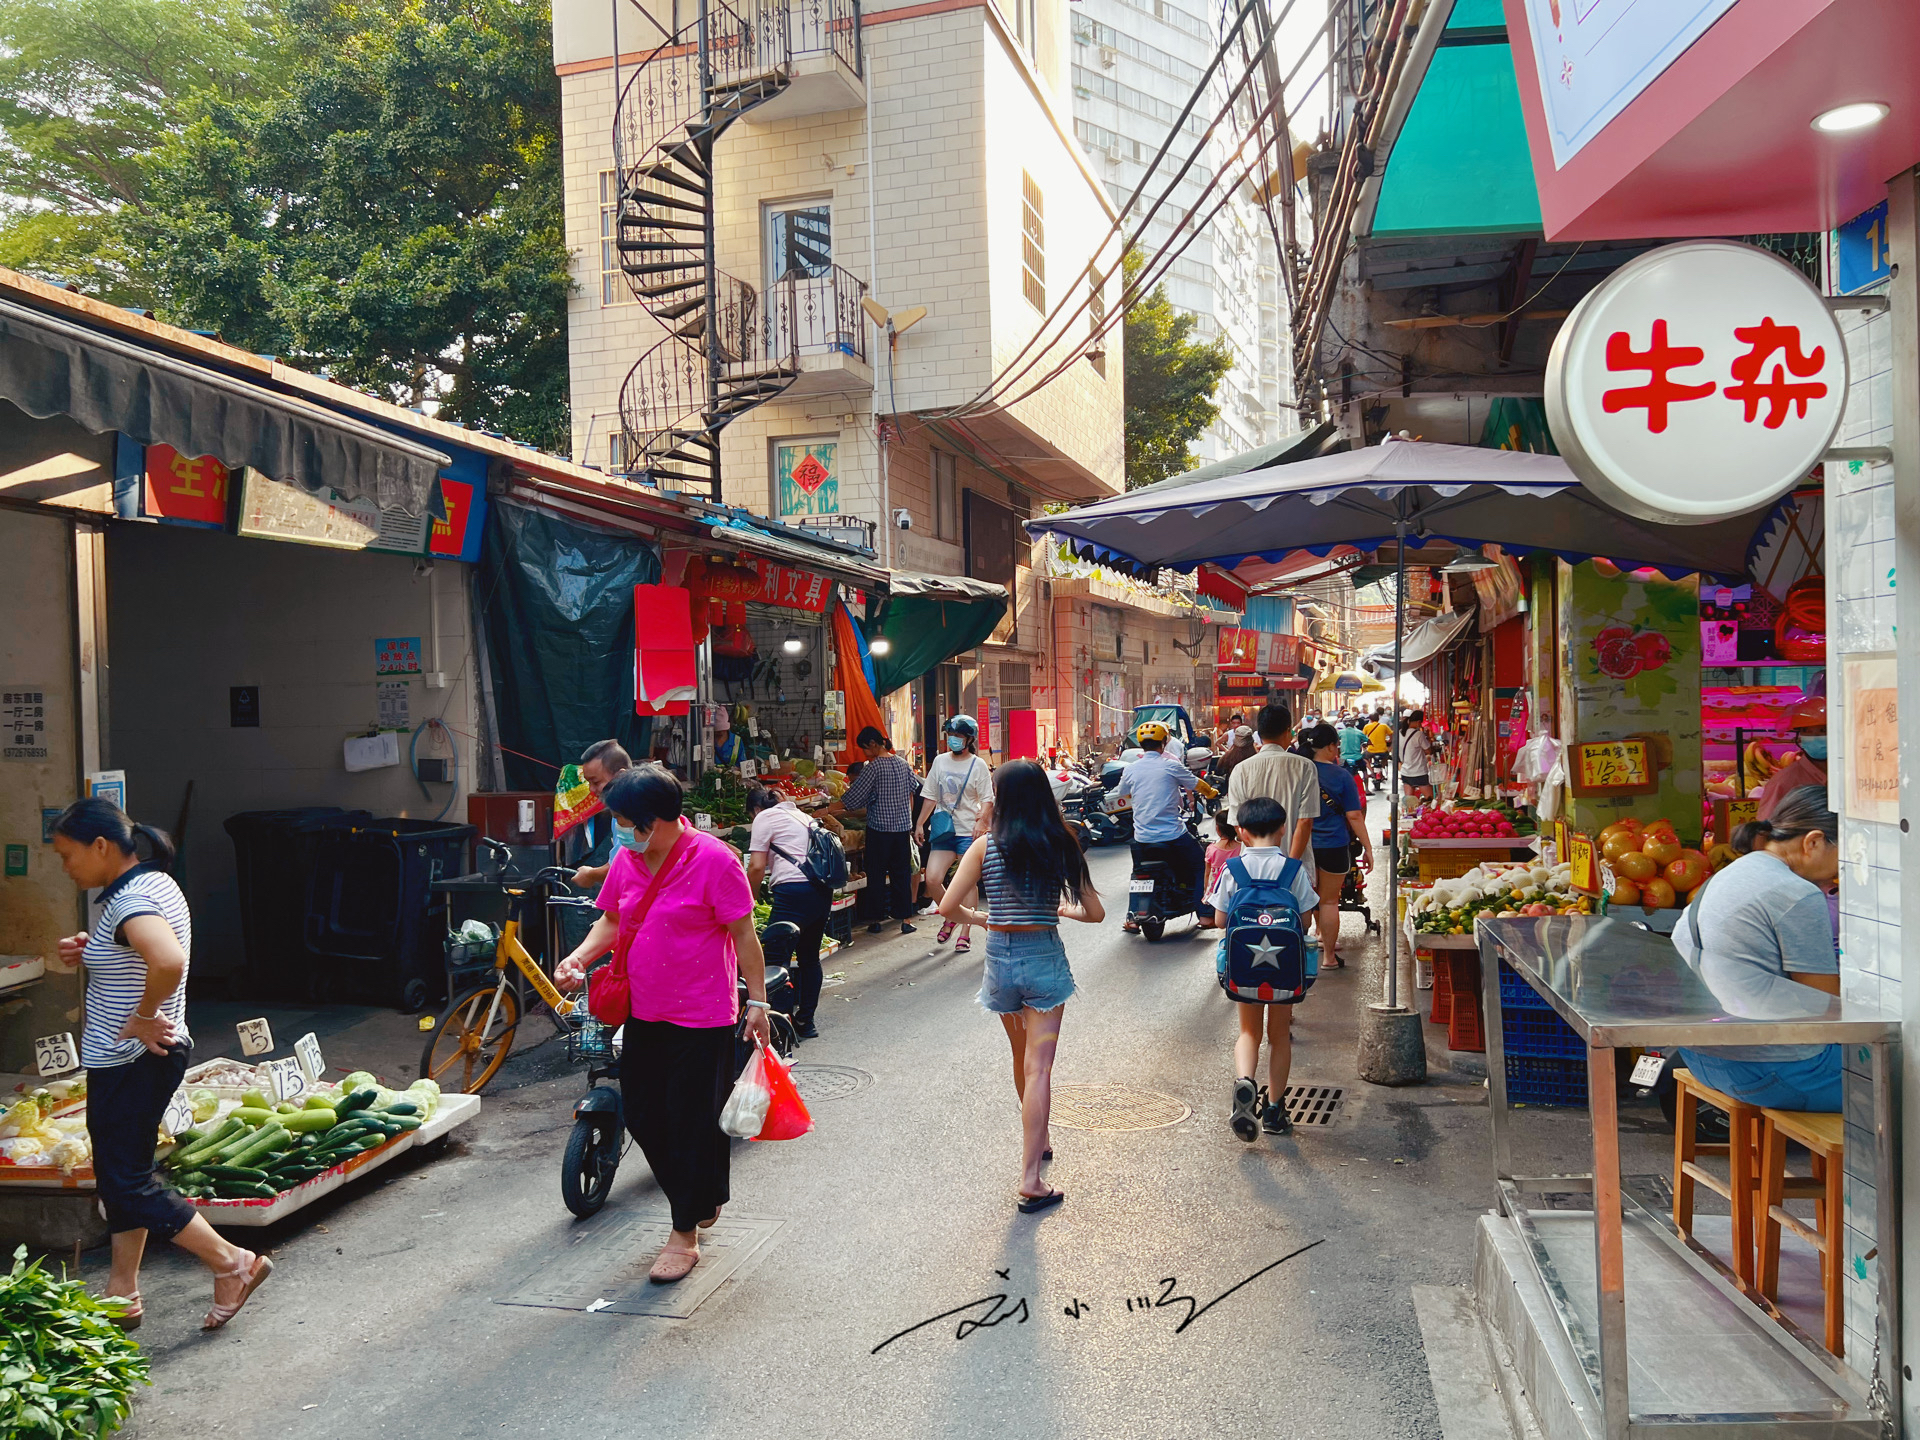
[702, 820]
[748, 769]
[307, 1049]
[289, 1080]
[179, 1114]
[256, 1036]
[1646, 1070]
[55, 1055]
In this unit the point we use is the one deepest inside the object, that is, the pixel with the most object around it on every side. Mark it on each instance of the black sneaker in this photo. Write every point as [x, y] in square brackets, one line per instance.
[806, 1030]
[1273, 1117]
[906, 929]
[1245, 1098]
[876, 927]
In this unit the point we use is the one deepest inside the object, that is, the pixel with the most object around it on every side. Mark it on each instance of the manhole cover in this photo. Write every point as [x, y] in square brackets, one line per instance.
[818, 1083]
[1313, 1104]
[1114, 1107]
[605, 1268]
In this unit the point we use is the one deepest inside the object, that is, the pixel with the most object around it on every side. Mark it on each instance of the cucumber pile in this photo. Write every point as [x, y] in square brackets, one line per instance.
[261, 1150]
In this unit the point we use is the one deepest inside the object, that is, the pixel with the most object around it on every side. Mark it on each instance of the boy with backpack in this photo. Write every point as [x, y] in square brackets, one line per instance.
[1262, 902]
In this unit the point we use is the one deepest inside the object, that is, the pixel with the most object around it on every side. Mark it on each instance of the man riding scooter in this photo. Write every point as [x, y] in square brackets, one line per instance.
[1159, 784]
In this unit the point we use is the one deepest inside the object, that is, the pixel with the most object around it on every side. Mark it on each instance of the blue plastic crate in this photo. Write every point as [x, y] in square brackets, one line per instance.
[1538, 1080]
[1517, 994]
[1540, 1033]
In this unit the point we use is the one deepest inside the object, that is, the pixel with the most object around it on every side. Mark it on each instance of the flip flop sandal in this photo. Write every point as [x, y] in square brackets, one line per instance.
[709, 1224]
[671, 1265]
[946, 933]
[131, 1311]
[254, 1269]
[1034, 1204]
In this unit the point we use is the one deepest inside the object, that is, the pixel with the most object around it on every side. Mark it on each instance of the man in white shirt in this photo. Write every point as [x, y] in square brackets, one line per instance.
[1281, 775]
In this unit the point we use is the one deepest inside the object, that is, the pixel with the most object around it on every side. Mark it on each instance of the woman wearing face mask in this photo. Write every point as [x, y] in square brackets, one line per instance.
[1809, 725]
[1756, 931]
[956, 805]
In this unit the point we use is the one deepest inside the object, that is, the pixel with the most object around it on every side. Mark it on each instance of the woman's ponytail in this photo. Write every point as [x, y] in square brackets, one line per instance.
[97, 818]
[1747, 836]
[1801, 811]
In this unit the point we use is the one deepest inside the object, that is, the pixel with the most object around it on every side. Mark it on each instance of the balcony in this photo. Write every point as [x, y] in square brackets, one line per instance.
[815, 47]
[812, 328]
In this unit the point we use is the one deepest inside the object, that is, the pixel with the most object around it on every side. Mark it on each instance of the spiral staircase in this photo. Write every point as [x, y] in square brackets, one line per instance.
[727, 349]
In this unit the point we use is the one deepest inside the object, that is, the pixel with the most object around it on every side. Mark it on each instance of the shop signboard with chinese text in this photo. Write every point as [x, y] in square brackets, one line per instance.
[1238, 649]
[186, 490]
[1700, 381]
[762, 581]
[1282, 655]
[276, 510]
[457, 534]
[1583, 857]
[1614, 767]
[23, 723]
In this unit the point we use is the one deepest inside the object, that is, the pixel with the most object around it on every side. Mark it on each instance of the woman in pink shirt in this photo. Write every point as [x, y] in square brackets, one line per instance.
[684, 955]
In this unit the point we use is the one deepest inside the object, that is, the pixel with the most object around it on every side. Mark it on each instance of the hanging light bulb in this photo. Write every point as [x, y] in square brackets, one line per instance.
[880, 646]
[793, 644]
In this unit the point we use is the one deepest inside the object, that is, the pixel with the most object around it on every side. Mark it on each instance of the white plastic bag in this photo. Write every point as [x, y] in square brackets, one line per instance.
[746, 1109]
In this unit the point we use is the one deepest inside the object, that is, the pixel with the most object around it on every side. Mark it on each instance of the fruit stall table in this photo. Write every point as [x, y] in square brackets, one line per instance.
[1443, 859]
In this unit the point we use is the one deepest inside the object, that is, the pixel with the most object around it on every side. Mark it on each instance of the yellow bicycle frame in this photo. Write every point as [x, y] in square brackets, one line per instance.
[510, 948]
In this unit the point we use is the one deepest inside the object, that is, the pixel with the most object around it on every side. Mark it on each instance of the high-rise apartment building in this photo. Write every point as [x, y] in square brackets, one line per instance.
[1135, 64]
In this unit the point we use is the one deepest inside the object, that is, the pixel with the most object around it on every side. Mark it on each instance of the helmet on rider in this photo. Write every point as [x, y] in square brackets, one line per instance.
[1151, 730]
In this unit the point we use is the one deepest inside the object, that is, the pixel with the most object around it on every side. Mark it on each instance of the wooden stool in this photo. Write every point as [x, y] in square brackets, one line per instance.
[1824, 1135]
[1743, 1155]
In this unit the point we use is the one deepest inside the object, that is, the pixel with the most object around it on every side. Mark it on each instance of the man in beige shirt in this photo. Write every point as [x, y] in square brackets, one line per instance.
[1281, 775]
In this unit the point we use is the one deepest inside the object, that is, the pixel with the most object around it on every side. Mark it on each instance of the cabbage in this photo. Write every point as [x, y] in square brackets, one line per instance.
[69, 1153]
[423, 1083]
[359, 1080]
[22, 1118]
[205, 1104]
[24, 1150]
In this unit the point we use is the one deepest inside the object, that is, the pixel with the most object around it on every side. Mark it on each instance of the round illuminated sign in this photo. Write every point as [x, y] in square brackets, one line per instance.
[1700, 381]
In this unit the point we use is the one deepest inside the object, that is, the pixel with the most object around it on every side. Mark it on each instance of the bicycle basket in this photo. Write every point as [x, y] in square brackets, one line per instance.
[588, 1041]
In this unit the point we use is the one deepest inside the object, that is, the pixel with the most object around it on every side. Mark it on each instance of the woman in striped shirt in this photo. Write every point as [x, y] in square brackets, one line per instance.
[135, 1047]
[1026, 862]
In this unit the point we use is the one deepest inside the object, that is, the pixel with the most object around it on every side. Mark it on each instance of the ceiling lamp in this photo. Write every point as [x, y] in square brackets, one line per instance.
[1844, 118]
[793, 644]
[1469, 564]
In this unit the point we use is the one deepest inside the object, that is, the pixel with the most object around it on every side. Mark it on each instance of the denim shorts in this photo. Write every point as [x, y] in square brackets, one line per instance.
[1778, 1085]
[953, 842]
[1026, 969]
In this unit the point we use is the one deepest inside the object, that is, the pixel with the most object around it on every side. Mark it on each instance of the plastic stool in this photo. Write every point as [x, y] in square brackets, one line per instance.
[1743, 1155]
[1824, 1135]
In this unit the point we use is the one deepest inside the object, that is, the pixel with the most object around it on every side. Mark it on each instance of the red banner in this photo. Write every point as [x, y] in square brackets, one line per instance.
[1238, 649]
[760, 580]
[193, 490]
[1282, 654]
[1222, 587]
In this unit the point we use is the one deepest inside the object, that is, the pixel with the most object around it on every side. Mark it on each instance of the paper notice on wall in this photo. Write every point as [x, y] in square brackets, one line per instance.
[1871, 764]
[396, 704]
[372, 752]
[23, 722]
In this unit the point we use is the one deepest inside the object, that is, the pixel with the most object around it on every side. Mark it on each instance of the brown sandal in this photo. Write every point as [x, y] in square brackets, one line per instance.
[254, 1269]
[708, 1224]
[672, 1264]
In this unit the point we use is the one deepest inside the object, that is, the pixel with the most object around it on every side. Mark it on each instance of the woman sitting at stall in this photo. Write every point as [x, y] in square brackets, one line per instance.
[1759, 929]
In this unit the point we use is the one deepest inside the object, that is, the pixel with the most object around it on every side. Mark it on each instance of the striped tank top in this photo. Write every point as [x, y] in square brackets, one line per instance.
[1017, 899]
[117, 975]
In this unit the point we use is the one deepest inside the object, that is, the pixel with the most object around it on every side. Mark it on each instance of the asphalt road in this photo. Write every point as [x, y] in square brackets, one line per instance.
[382, 1317]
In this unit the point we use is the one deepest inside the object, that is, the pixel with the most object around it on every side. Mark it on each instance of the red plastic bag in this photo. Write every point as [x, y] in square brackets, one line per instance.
[787, 1117]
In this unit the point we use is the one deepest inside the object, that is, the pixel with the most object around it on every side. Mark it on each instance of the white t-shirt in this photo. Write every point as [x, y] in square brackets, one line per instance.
[785, 826]
[962, 784]
[1416, 752]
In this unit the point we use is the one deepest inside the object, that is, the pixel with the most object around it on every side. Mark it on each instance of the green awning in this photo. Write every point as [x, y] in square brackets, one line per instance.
[928, 619]
[1460, 165]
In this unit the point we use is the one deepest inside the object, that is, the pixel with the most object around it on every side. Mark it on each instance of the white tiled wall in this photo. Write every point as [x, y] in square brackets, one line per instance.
[1860, 617]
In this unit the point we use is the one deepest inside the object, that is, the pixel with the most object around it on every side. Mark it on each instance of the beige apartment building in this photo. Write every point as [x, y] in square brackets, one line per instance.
[911, 155]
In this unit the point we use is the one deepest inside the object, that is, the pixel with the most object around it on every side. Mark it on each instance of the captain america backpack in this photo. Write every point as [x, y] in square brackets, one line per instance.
[1266, 939]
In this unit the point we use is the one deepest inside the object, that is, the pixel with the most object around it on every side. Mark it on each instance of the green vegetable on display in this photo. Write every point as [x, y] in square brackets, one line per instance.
[66, 1370]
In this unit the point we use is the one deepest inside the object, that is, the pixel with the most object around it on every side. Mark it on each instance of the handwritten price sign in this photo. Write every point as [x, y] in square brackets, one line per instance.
[288, 1079]
[256, 1037]
[1584, 859]
[55, 1055]
[179, 1114]
[1615, 767]
[307, 1048]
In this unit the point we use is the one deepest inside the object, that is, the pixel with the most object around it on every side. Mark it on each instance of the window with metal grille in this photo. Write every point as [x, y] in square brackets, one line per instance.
[946, 496]
[617, 453]
[1016, 685]
[1033, 242]
[613, 284]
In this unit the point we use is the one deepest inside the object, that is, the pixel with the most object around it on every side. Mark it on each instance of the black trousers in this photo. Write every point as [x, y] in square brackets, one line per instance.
[124, 1106]
[890, 873]
[806, 905]
[674, 1082]
[1184, 854]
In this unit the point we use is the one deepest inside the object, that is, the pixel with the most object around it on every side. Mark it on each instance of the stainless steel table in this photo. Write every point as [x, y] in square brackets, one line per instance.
[1620, 985]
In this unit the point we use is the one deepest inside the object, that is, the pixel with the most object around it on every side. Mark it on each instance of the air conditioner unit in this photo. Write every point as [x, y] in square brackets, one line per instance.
[1108, 55]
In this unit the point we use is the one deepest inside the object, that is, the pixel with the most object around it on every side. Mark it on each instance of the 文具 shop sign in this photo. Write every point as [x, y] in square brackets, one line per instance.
[1701, 381]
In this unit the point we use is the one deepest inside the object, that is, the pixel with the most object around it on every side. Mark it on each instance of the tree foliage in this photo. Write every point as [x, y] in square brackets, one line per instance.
[1170, 380]
[367, 188]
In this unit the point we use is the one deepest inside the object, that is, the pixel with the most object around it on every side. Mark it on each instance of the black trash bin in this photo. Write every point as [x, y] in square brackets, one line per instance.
[372, 914]
[273, 855]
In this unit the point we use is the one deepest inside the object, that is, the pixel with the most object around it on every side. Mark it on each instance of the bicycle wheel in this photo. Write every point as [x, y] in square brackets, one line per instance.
[586, 1175]
[460, 1058]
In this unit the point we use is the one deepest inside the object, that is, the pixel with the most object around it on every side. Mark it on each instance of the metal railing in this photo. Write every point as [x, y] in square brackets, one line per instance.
[816, 315]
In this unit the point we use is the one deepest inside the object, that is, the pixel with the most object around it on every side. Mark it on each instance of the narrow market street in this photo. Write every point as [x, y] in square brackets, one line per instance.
[896, 1209]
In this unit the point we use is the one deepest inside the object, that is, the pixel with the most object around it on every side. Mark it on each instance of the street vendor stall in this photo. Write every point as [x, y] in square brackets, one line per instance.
[1617, 1323]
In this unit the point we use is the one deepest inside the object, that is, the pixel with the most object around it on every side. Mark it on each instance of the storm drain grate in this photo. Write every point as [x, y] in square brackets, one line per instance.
[1114, 1107]
[820, 1083]
[604, 1269]
[1313, 1104]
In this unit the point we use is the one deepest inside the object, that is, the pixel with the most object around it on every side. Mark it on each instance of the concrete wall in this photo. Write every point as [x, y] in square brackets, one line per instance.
[192, 613]
[38, 651]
